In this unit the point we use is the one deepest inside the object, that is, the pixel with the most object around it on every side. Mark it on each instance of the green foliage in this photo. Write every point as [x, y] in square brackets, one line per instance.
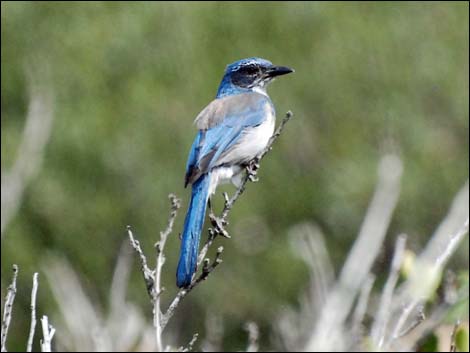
[129, 80]
[461, 339]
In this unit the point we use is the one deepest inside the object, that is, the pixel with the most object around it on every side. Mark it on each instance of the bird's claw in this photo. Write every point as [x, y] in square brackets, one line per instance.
[252, 170]
[219, 225]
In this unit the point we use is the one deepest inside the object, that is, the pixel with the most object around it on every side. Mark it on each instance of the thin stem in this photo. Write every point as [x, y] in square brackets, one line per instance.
[7, 311]
[34, 291]
[383, 314]
[48, 332]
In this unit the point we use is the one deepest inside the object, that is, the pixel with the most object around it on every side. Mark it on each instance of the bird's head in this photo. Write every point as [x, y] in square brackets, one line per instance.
[252, 74]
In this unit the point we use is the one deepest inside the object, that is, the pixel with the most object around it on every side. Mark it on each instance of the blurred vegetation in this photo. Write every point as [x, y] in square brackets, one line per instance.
[129, 78]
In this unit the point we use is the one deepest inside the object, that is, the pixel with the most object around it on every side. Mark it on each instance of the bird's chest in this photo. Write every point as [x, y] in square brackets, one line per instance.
[257, 138]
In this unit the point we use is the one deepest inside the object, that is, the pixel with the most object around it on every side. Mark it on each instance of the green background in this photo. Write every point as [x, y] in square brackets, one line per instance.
[129, 78]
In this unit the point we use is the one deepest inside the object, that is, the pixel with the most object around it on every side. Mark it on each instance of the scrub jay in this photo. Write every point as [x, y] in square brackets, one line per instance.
[233, 129]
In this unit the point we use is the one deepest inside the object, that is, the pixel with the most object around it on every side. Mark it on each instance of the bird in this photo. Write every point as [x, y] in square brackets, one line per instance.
[233, 130]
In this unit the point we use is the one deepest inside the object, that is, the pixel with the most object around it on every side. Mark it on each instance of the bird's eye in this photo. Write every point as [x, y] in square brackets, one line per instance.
[250, 70]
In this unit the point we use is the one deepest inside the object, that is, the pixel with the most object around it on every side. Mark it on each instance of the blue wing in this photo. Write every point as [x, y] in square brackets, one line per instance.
[221, 124]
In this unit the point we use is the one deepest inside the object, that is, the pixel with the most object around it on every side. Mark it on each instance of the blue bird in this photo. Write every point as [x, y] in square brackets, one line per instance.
[233, 129]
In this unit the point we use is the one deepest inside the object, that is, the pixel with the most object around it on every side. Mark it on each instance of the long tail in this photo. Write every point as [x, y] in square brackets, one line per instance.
[192, 231]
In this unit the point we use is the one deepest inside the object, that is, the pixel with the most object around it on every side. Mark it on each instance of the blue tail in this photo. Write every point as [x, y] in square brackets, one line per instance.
[192, 231]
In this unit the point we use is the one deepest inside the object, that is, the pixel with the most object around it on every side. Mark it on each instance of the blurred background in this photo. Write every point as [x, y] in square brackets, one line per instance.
[119, 85]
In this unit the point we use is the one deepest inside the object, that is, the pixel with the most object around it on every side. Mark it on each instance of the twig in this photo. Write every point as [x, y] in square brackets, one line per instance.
[190, 345]
[383, 314]
[153, 278]
[453, 345]
[159, 246]
[7, 311]
[206, 270]
[454, 241]
[450, 231]
[148, 274]
[48, 332]
[420, 317]
[253, 336]
[34, 291]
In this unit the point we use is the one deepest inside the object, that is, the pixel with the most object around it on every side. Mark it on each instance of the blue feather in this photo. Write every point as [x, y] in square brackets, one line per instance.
[192, 231]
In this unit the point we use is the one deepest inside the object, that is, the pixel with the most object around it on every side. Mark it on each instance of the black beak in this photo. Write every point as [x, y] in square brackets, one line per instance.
[278, 71]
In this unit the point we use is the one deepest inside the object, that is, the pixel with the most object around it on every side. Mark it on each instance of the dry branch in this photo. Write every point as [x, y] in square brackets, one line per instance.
[34, 292]
[8, 309]
[48, 332]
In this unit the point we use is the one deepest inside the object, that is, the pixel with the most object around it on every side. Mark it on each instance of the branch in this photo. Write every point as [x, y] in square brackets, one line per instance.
[7, 311]
[153, 278]
[148, 274]
[453, 335]
[48, 332]
[34, 291]
[383, 314]
[191, 343]
[206, 270]
[159, 246]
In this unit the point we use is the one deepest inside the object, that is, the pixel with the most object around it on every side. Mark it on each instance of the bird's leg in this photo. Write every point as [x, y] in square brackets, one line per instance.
[209, 204]
[252, 170]
[218, 222]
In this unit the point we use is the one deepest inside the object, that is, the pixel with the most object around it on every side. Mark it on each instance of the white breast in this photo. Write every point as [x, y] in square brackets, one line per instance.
[251, 144]
[254, 140]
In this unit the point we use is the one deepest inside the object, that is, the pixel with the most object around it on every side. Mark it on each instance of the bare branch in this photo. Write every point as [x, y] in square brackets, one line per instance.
[48, 332]
[190, 345]
[453, 345]
[148, 274]
[418, 319]
[34, 292]
[383, 314]
[8, 309]
[450, 232]
[157, 313]
[206, 271]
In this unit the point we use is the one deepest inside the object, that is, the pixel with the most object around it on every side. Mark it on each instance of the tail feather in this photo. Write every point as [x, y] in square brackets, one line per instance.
[192, 231]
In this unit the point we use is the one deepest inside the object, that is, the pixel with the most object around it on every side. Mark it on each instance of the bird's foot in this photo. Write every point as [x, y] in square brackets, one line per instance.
[219, 225]
[252, 170]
